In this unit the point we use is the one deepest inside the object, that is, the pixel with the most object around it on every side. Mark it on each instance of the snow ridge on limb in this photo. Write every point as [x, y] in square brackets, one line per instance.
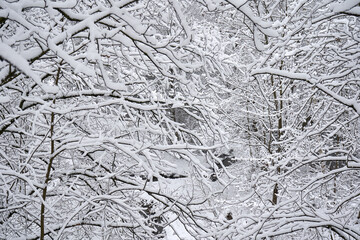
[352, 103]
[15, 59]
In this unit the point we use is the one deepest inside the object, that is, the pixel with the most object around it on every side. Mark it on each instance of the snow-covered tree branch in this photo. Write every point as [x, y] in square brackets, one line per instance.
[205, 119]
[100, 115]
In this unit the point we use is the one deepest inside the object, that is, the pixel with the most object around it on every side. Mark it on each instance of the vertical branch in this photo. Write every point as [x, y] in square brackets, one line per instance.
[248, 127]
[48, 170]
